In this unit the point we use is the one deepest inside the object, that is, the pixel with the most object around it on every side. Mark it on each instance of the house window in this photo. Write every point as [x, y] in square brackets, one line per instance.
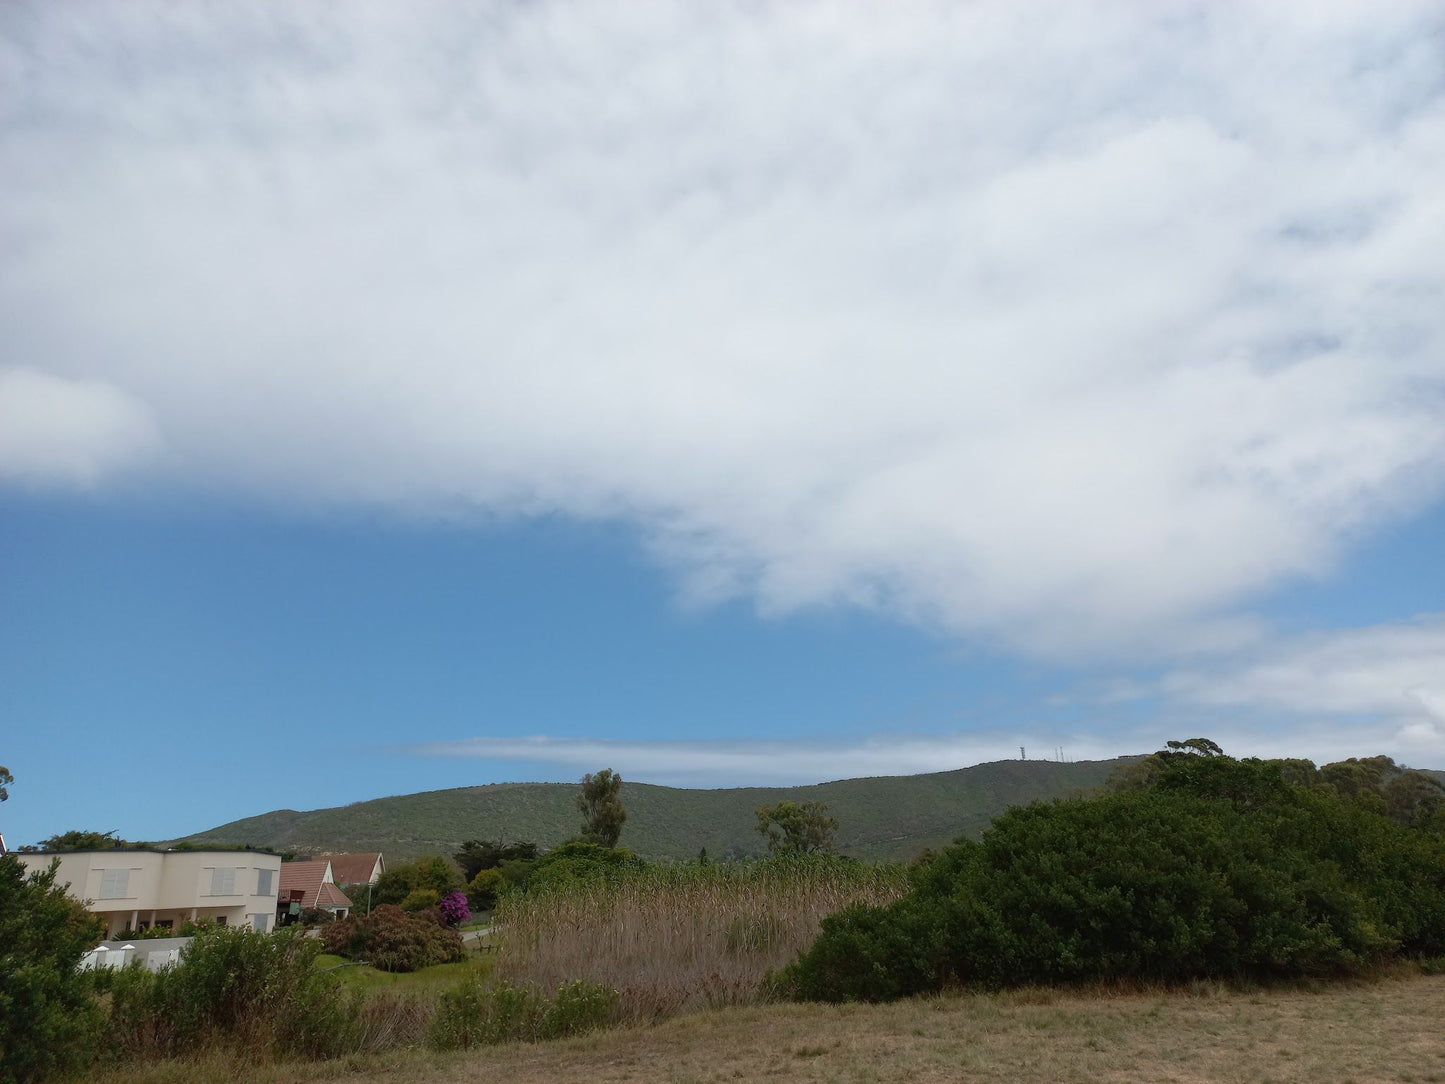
[258, 923]
[264, 885]
[114, 884]
[223, 881]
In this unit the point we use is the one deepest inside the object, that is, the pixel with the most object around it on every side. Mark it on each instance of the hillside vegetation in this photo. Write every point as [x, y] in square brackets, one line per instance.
[892, 817]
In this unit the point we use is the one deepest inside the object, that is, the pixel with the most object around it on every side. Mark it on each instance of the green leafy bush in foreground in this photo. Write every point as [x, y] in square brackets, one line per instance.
[1220, 868]
[48, 1019]
[262, 991]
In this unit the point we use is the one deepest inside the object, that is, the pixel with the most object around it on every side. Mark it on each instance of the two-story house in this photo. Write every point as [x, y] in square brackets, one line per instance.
[132, 889]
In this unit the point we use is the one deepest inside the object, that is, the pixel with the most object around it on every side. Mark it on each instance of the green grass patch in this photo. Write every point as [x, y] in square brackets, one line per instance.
[433, 979]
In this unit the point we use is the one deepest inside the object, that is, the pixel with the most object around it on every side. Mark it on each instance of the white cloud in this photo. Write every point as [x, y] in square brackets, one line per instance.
[1072, 326]
[68, 433]
[757, 762]
[763, 762]
[1391, 676]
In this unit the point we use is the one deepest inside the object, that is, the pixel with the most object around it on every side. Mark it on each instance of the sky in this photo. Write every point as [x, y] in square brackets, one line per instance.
[405, 397]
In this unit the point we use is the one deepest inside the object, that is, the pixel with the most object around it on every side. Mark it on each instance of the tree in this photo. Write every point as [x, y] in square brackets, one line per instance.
[797, 828]
[79, 839]
[1415, 800]
[48, 1019]
[601, 808]
[431, 872]
[6, 780]
[476, 855]
[485, 887]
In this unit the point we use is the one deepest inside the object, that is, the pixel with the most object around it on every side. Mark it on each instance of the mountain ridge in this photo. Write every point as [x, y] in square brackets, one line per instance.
[881, 817]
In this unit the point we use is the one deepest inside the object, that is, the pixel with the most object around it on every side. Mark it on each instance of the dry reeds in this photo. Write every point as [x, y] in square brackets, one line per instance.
[674, 937]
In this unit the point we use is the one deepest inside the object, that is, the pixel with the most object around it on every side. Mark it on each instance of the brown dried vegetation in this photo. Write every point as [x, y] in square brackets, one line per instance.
[682, 937]
[1361, 1032]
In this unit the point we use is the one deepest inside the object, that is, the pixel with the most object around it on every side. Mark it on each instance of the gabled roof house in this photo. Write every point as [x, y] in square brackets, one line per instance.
[356, 869]
[311, 883]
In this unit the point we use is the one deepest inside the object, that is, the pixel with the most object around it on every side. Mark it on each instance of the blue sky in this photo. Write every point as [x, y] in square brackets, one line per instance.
[771, 394]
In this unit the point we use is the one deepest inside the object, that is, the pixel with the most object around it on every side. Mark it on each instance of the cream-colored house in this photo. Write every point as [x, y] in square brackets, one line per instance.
[135, 889]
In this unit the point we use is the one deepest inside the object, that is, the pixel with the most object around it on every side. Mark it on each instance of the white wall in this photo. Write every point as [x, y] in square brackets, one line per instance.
[167, 885]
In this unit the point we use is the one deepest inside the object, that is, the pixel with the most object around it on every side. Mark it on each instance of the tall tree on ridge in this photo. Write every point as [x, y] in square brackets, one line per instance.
[601, 808]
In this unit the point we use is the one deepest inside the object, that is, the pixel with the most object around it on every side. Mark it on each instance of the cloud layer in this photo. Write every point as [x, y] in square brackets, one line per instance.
[57, 432]
[1355, 692]
[1391, 673]
[1069, 326]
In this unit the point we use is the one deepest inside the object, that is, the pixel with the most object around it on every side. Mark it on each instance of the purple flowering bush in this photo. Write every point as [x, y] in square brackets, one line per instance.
[453, 907]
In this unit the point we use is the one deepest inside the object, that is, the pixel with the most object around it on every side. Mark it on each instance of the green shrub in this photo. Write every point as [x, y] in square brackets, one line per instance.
[475, 1014]
[579, 861]
[421, 899]
[392, 940]
[430, 872]
[579, 1006]
[49, 1022]
[261, 992]
[870, 954]
[1216, 868]
[484, 889]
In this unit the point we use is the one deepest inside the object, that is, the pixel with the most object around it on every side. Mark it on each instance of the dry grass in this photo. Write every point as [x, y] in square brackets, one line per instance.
[1363, 1033]
[682, 937]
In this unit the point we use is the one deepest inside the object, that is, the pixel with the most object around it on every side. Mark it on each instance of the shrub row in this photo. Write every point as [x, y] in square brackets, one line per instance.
[1220, 869]
[477, 1014]
[263, 996]
[264, 992]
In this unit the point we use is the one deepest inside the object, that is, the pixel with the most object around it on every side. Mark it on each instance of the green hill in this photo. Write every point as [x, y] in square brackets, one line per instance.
[884, 817]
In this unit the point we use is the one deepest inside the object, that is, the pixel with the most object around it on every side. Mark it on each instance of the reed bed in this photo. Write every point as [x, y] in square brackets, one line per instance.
[669, 938]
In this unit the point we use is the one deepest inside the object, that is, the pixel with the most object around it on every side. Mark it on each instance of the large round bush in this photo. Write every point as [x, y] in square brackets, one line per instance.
[392, 940]
[1230, 872]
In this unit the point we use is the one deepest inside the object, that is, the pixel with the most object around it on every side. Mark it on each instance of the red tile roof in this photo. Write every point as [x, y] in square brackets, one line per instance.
[331, 896]
[352, 869]
[307, 877]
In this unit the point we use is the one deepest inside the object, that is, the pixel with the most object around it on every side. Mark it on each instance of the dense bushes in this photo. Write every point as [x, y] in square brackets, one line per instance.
[232, 985]
[392, 940]
[431, 873]
[485, 888]
[580, 861]
[186, 928]
[476, 1014]
[48, 1018]
[421, 899]
[264, 997]
[1216, 868]
[453, 909]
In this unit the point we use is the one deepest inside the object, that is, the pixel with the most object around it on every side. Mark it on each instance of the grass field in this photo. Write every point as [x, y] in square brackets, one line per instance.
[1363, 1033]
